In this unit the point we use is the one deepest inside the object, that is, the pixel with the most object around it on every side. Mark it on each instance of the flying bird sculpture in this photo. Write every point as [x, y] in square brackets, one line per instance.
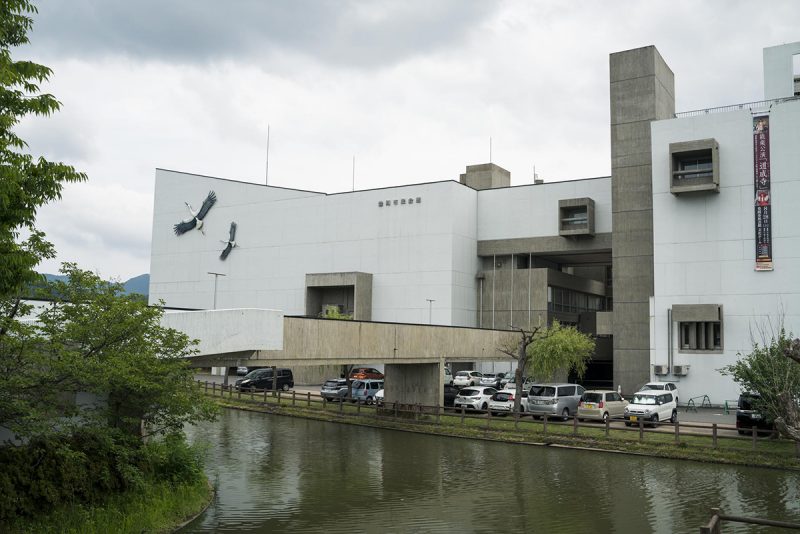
[230, 243]
[196, 221]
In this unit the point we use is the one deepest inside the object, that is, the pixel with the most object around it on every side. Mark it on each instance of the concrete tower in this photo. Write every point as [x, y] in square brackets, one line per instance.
[642, 90]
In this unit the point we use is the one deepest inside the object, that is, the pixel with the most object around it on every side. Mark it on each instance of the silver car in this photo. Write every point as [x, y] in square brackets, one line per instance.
[474, 398]
[502, 402]
[554, 400]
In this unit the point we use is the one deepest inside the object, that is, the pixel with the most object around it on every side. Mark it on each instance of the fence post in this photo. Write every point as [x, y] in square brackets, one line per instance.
[544, 419]
[755, 434]
[358, 407]
[608, 423]
[516, 420]
[324, 402]
[341, 406]
[206, 388]
[488, 418]
[252, 393]
[462, 415]
[437, 413]
[213, 389]
[641, 430]
[308, 398]
[294, 397]
[714, 435]
[574, 426]
[239, 394]
[279, 397]
[677, 432]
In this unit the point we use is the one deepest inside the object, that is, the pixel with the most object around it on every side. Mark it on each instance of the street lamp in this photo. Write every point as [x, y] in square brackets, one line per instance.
[216, 276]
[430, 310]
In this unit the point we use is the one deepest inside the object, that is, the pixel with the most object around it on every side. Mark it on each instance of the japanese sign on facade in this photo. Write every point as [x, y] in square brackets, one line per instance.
[763, 204]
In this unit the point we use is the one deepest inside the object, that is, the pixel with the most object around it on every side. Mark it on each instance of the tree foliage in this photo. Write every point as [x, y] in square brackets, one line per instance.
[548, 352]
[26, 182]
[771, 370]
[93, 339]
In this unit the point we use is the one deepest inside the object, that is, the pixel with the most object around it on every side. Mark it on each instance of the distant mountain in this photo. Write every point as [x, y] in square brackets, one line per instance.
[138, 284]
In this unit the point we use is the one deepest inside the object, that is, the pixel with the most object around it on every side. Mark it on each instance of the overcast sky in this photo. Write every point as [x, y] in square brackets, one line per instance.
[412, 89]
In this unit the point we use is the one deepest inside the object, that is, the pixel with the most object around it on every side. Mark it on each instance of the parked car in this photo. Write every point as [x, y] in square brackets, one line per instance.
[507, 377]
[379, 397]
[242, 370]
[262, 379]
[447, 377]
[502, 402]
[365, 390]
[467, 378]
[748, 417]
[361, 373]
[651, 406]
[474, 398]
[492, 380]
[526, 383]
[662, 386]
[334, 389]
[602, 405]
[450, 393]
[551, 400]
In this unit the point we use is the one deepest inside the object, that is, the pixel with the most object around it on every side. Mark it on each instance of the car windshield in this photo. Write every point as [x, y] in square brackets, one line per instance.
[358, 384]
[746, 402]
[332, 383]
[543, 391]
[592, 397]
[644, 399]
[488, 375]
[653, 386]
[462, 373]
[469, 393]
[260, 373]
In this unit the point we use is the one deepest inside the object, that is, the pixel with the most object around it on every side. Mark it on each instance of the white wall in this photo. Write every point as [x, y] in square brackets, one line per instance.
[222, 331]
[704, 245]
[532, 210]
[284, 234]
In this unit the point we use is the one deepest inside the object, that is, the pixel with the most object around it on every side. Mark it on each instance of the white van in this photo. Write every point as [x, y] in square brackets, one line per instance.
[652, 407]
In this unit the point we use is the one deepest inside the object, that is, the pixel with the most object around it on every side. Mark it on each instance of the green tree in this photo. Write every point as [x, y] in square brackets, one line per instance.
[93, 338]
[772, 369]
[548, 352]
[26, 182]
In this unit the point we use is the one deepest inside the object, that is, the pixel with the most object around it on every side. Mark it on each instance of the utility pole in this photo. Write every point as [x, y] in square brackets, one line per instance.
[430, 310]
[225, 367]
[216, 276]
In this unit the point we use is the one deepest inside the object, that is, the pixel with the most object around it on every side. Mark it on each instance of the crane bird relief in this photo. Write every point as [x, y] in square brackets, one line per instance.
[196, 219]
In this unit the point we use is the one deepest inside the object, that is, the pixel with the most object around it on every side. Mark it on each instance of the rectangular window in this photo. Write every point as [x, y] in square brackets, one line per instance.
[701, 336]
[694, 166]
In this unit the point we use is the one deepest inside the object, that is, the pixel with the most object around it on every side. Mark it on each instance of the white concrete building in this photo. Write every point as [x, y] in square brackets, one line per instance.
[658, 260]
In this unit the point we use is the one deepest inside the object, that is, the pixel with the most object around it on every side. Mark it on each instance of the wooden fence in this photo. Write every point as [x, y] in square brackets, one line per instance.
[679, 432]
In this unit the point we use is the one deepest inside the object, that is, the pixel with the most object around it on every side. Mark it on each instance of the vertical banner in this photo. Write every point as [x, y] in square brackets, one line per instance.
[761, 177]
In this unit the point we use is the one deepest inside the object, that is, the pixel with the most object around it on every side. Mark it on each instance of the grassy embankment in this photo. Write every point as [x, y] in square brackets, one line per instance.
[160, 507]
[736, 451]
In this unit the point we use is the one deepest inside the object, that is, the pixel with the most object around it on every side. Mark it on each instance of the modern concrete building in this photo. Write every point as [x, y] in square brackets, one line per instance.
[658, 260]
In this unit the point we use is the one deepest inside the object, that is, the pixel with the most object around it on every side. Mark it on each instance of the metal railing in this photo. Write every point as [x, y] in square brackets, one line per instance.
[691, 405]
[761, 105]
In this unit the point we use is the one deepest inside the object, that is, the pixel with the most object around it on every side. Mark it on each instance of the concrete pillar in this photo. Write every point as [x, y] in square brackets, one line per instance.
[414, 383]
[642, 90]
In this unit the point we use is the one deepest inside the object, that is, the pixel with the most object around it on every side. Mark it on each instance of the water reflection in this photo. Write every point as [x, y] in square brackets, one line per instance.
[277, 474]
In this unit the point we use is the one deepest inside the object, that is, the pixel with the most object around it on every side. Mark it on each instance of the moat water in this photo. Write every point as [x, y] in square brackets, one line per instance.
[281, 474]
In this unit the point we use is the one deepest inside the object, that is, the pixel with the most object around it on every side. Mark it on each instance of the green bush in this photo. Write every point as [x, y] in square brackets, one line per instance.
[87, 468]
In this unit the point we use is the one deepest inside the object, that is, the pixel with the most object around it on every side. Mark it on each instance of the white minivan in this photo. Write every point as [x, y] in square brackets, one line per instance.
[651, 407]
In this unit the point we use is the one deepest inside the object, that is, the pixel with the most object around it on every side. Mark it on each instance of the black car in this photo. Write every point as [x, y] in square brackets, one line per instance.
[450, 393]
[748, 417]
[262, 379]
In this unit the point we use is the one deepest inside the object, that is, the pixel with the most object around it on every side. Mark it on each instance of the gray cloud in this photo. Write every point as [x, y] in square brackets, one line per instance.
[357, 34]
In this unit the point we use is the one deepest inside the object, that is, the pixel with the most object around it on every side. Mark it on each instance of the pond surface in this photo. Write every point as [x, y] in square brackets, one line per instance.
[282, 474]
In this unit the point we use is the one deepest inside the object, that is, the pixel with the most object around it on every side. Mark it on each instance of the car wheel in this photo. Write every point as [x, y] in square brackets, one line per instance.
[627, 423]
[368, 401]
[471, 383]
[605, 417]
[674, 418]
[565, 414]
[654, 421]
[285, 387]
[484, 406]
